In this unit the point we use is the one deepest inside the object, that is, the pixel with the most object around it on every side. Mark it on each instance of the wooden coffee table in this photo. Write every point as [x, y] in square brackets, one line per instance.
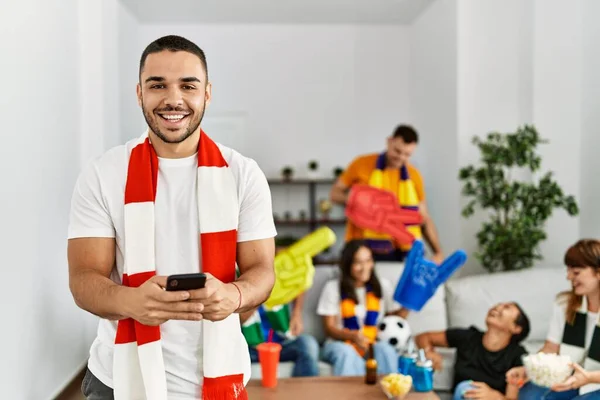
[317, 388]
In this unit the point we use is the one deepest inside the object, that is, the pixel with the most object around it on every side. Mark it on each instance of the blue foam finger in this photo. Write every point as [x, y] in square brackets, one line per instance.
[450, 265]
[421, 277]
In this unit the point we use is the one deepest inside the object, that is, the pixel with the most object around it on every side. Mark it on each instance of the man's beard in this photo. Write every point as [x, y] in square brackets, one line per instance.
[193, 125]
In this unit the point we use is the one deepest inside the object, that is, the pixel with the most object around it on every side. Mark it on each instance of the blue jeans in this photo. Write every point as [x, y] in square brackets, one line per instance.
[347, 362]
[533, 392]
[303, 351]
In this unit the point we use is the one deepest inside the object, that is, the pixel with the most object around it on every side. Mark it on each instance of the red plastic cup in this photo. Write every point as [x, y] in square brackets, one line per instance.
[268, 355]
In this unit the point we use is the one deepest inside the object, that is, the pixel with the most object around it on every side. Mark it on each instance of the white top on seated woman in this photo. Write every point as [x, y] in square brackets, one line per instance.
[351, 308]
[574, 328]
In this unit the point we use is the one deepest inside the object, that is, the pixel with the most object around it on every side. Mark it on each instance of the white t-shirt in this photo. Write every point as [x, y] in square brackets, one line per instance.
[97, 211]
[557, 325]
[330, 300]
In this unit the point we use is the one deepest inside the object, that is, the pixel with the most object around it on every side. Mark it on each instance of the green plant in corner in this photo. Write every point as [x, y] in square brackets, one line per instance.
[518, 210]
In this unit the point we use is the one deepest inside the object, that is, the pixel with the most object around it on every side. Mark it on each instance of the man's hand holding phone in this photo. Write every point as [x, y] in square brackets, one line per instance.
[220, 300]
[150, 304]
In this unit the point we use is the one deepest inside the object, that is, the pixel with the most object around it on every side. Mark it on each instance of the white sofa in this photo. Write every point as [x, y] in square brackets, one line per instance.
[461, 302]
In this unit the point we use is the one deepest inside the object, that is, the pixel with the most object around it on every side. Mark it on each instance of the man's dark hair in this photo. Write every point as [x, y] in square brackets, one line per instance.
[173, 43]
[522, 321]
[407, 133]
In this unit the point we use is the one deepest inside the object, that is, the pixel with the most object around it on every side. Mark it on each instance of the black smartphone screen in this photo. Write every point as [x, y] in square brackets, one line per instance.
[186, 281]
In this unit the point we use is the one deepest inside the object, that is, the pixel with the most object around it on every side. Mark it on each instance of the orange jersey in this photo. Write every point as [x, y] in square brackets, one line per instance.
[360, 170]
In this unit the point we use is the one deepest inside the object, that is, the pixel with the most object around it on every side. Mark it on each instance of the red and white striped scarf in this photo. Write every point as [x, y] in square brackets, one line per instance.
[138, 367]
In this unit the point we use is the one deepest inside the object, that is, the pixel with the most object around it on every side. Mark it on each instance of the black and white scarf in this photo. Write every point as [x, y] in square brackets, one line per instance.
[573, 345]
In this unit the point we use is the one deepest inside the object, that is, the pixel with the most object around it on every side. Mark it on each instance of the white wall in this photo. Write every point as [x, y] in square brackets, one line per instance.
[131, 121]
[433, 111]
[557, 111]
[40, 160]
[492, 66]
[521, 62]
[494, 85]
[590, 139]
[61, 108]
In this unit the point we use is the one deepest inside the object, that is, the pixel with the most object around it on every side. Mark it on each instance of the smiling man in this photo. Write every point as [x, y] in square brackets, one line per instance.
[170, 202]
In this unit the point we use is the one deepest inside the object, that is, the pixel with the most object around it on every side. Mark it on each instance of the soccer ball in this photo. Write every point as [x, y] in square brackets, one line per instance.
[394, 330]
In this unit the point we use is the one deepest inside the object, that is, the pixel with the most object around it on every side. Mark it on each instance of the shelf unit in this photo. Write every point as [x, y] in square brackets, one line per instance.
[312, 221]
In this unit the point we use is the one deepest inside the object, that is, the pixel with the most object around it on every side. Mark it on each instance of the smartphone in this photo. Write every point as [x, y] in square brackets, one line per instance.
[186, 282]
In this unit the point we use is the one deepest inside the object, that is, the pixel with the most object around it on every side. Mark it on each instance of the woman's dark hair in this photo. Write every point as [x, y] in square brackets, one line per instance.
[346, 280]
[522, 321]
[584, 253]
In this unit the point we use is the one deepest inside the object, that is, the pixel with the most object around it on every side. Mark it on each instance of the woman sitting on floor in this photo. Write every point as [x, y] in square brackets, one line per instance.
[352, 308]
[574, 329]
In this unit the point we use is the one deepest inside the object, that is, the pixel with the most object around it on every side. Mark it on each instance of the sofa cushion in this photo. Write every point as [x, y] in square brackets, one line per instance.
[469, 298]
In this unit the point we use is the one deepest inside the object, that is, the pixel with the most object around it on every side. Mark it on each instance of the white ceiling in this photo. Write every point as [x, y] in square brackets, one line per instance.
[277, 11]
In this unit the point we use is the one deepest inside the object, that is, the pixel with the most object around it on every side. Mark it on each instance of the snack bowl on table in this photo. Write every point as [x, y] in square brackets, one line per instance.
[547, 369]
[396, 386]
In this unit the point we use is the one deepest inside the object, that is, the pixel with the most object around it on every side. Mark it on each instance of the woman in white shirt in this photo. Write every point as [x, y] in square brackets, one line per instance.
[574, 329]
[352, 307]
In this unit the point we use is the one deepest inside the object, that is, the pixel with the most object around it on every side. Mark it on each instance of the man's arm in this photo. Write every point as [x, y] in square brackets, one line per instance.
[341, 188]
[91, 261]
[430, 233]
[247, 314]
[255, 259]
[339, 192]
[429, 340]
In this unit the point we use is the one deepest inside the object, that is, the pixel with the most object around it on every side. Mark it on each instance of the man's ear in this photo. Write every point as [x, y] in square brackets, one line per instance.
[516, 329]
[138, 90]
[208, 93]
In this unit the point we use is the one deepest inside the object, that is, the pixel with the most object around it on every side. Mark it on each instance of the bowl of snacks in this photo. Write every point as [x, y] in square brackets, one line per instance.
[396, 386]
[545, 369]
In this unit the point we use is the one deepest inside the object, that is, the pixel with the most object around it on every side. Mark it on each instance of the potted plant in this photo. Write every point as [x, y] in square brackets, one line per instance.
[287, 173]
[302, 215]
[509, 239]
[313, 167]
[337, 171]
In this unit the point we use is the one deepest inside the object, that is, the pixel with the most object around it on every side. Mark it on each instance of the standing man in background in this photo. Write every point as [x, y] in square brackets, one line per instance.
[390, 171]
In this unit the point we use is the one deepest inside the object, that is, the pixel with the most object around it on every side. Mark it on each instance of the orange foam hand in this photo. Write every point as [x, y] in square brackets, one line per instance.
[378, 210]
[294, 268]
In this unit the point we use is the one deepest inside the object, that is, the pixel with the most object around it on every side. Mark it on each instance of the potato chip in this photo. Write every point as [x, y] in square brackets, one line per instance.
[396, 385]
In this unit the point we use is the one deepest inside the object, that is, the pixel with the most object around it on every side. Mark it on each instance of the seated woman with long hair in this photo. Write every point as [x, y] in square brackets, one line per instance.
[574, 330]
[352, 307]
